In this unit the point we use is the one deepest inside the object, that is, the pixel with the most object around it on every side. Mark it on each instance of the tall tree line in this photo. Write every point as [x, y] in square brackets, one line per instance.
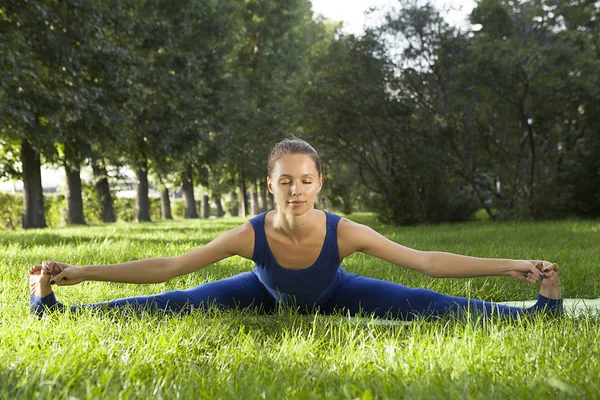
[416, 119]
[176, 91]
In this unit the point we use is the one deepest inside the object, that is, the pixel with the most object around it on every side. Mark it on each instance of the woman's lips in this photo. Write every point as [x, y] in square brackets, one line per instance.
[296, 203]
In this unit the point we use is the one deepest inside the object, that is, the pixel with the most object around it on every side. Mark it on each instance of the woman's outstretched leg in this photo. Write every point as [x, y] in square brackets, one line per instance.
[238, 292]
[358, 294]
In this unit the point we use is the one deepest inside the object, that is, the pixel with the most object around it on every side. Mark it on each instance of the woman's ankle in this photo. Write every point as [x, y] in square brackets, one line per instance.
[554, 306]
[39, 306]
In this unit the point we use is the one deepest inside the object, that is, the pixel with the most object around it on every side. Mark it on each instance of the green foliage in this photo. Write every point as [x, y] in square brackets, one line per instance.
[495, 17]
[537, 104]
[9, 153]
[178, 208]
[232, 206]
[125, 209]
[415, 118]
[11, 211]
[382, 135]
[91, 207]
[55, 210]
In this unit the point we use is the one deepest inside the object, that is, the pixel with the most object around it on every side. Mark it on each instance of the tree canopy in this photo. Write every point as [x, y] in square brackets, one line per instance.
[416, 119]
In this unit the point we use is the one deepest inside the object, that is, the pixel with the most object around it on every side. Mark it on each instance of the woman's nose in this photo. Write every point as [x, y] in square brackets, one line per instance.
[295, 188]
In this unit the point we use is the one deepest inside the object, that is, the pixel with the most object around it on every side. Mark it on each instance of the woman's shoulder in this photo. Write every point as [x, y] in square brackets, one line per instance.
[351, 236]
[328, 213]
[355, 231]
[258, 219]
[345, 226]
[239, 239]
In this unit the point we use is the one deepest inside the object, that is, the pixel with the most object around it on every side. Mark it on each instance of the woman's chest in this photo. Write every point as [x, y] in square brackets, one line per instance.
[296, 255]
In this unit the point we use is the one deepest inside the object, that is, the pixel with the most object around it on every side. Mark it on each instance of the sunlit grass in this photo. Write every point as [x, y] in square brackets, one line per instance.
[287, 355]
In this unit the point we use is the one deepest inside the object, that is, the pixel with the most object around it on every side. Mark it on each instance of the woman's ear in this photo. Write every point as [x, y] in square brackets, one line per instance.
[269, 184]
[320, 182]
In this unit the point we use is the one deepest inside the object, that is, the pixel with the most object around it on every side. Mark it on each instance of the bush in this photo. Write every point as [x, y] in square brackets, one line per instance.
[125, 209]
[91, 207]
[55, 210]
[55, 207]
[11, 211]
[232, 206]
[178, 208]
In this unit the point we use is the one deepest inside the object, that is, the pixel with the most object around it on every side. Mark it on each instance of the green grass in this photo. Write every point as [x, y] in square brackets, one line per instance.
[287, 355]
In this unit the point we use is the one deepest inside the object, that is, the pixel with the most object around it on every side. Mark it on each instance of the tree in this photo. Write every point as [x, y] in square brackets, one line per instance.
[535, 81]
[268, 71]
[25, 100]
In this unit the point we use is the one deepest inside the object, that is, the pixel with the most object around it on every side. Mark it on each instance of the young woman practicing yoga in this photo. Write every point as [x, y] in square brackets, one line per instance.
[297, 250]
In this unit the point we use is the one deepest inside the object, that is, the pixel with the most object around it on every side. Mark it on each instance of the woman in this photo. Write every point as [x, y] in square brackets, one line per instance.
[297, 250]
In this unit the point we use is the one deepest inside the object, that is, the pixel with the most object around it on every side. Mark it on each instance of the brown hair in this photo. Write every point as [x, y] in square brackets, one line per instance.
[293, 146]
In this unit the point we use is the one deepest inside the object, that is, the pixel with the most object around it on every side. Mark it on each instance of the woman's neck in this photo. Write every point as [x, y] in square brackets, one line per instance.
[295, 226]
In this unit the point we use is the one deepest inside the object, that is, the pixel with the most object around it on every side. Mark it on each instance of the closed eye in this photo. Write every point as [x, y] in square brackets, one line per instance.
[288, 182]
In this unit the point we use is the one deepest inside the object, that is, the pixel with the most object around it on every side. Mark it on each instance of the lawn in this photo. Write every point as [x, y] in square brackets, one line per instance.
[227, 355]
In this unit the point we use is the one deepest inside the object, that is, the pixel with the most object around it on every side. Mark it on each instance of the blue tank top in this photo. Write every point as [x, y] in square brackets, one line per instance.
[306, 286]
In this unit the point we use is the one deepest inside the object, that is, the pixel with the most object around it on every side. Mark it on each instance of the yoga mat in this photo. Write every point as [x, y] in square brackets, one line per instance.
[573, 307]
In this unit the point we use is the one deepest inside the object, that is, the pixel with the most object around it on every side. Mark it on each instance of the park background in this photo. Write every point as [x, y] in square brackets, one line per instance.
[417, 119]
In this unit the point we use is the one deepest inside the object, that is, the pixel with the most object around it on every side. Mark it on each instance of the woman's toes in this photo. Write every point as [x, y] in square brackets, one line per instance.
[34, 269]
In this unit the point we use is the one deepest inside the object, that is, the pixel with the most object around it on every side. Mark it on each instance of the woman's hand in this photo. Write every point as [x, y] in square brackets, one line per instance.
[64, 274]
[530, 270]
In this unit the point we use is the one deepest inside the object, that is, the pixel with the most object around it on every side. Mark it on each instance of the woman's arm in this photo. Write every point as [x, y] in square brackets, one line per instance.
[238, 241]
[356, 237]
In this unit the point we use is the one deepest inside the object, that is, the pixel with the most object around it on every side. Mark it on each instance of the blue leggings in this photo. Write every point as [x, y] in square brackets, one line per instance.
[354, 295]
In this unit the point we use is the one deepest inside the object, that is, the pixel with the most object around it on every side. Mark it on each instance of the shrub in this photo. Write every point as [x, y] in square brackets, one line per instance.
[11, 211]
[55, 210]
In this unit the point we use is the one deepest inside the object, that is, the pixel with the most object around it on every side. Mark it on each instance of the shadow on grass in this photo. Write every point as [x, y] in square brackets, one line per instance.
[52, 239]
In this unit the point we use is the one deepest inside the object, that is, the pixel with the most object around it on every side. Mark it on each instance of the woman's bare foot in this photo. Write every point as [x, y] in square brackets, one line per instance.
[39, 280]
[550, 287]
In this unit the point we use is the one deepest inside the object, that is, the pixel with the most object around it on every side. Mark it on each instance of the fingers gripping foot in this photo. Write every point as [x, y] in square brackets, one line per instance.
[41, 297]
[39, 280]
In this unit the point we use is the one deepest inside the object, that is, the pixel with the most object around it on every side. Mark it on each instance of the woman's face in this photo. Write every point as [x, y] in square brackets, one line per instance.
[295, 183]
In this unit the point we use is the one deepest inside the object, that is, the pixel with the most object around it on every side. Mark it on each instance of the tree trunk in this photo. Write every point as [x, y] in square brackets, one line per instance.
[73, 195]
[254, 202]
[142, 201]
[243, 201]
[234, 211]
[263, 197]
[165, 205]
[102, 190]
[33, 198]
[219, 206]
[188, 194]
[205, 205]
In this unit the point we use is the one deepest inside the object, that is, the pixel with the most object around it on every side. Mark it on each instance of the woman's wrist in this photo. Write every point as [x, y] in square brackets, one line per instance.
[83, 273]
[500, 267]
[508, 267]
[513, 266]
